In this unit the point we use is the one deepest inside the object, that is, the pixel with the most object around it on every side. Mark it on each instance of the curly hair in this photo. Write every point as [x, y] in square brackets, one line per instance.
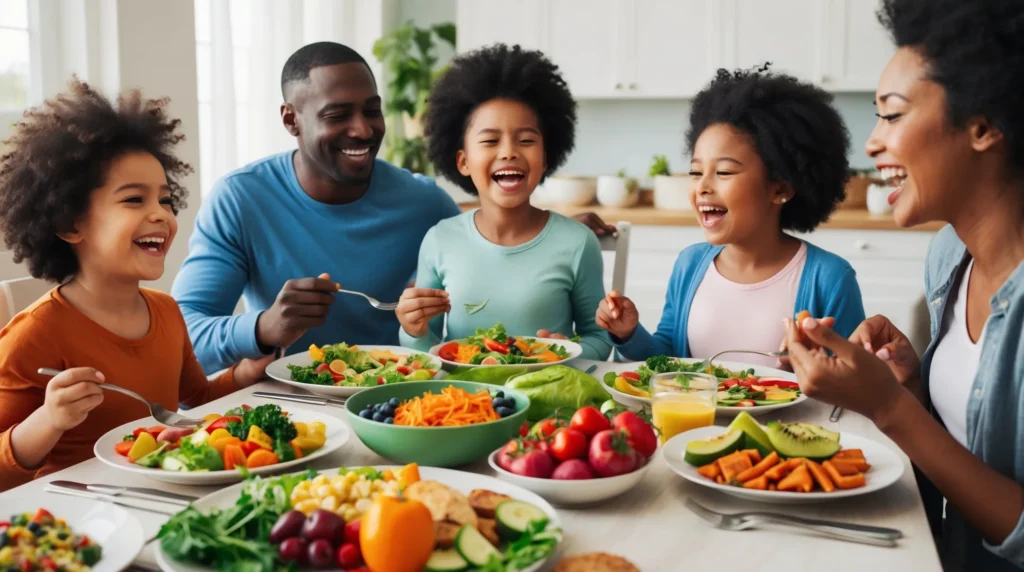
[981, 71]
[59, 154]
[498, 72]
[797, 133]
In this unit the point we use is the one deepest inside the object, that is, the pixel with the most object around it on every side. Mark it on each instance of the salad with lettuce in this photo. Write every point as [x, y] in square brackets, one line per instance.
[494, 346]
[348, 366]
[638, 383]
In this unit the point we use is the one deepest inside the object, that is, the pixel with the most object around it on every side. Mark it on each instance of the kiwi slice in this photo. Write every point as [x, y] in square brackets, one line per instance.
[794, 440]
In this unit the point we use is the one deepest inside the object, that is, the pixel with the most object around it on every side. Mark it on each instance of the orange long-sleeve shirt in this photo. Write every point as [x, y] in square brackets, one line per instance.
[52, 333]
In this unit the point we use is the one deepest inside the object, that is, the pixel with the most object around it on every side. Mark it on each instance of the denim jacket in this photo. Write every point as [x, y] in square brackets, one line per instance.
[995, 409]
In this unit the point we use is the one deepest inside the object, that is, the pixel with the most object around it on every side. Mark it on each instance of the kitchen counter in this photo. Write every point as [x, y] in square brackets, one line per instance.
[852, 219]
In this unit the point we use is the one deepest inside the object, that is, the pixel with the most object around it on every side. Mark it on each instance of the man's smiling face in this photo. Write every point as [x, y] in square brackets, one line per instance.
[339, 121]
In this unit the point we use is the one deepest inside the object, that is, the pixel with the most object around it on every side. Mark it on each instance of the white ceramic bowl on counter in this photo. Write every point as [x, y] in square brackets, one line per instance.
[614, 191]
[565, 190]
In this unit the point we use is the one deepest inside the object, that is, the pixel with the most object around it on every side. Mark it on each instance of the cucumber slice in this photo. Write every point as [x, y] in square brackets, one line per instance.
[446, 560]
[771, 401]
[514, 517]
[173, 464]
[472, 546]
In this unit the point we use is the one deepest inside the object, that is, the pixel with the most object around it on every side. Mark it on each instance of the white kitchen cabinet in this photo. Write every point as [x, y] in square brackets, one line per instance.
[858, 47]
[672, 48]
[889, 266]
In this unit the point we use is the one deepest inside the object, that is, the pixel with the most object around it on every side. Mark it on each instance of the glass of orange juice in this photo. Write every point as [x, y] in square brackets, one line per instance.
[682, 401]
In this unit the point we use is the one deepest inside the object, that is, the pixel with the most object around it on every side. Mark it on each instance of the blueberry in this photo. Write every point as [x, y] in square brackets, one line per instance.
[33, 527]
[378, 416]
[504, 411]
[394, 402]
[388, 411]
[503, 402]
[369, 407]
[366, 414]
[390, 420]
[500, 394]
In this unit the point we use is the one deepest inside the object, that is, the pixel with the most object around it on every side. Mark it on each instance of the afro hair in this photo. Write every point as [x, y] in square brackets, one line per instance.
[798, 134]
[975, 51]
[498, 72]
[59, 153]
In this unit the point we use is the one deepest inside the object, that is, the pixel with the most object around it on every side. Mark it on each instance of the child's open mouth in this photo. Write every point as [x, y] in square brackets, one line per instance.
[895, 178]
[509, 180]
[711, 215]
[152, 245]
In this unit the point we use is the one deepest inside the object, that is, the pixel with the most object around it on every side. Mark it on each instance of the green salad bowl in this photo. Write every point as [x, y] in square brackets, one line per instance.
[433, 446]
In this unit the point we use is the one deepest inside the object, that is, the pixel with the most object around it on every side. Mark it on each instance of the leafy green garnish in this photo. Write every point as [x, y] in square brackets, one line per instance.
[474, 308]
[267, 417]
[534, 545]
[307, 374]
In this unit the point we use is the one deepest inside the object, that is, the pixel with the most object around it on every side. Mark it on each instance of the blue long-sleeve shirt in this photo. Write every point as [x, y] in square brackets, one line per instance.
[258, 229]
[828, 287]
[553, 282]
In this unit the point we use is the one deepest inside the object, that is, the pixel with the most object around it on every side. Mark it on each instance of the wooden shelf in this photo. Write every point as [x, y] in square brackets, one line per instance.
[852, 219]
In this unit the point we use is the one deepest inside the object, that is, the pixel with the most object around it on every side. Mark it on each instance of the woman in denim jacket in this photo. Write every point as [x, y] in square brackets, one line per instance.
[950, 139]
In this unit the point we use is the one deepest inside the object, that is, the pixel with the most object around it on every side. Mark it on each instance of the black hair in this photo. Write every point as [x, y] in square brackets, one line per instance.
[498, 72]
[975, 51]
[315, 55]
[798, 134]
[60, 152]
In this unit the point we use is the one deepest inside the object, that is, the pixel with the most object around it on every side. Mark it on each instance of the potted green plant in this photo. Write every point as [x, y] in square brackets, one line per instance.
[671, 192]
[617, 190]
[408, 53]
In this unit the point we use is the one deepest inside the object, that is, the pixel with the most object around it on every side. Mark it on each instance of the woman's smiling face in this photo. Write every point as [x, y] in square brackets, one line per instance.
[923, 158]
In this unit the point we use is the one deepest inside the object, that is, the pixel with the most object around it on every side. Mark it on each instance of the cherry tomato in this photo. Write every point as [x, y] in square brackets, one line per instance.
[630, 375]
[322, 368]
[403, 370]
[349, 556]
[590, 421]
[524, 430]
[780, 383]
[222, 423]
[641, 436]
[546, 427]
[745, 403]
[495, 346]
[611, 455]
[248, 447]
[352, 531]
[568, 444]
[448, 351]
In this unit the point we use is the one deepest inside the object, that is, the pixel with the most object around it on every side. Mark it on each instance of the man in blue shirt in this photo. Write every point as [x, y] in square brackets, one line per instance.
[284, 231]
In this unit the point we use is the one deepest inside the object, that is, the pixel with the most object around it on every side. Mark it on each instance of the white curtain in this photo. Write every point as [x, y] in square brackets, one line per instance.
[242, 46]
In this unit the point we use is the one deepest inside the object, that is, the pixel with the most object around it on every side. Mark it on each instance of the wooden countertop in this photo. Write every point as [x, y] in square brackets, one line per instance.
[845, 219]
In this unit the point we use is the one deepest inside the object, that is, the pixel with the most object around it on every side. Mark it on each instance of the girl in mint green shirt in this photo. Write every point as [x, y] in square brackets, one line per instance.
[499, 120]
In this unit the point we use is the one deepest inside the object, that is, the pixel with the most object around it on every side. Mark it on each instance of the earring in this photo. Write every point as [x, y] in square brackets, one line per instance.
[784, 199]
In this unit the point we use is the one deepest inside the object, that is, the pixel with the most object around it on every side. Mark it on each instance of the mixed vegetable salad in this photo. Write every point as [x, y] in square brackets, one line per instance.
[736, 388]
[348, 366]
[246, 437]
[495, 347]
[362, 519]
[41, 542]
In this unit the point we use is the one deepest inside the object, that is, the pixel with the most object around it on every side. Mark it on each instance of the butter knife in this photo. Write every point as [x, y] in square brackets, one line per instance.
[132, 492]
[87, 494]
[307, 399]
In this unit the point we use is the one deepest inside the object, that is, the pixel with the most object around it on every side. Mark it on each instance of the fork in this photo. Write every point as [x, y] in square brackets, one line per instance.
[875, 535]
[704, 364]
[155, 409]
[387, 306]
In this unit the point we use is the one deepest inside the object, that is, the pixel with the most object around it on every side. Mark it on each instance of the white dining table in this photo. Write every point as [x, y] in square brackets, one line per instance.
[650, 525]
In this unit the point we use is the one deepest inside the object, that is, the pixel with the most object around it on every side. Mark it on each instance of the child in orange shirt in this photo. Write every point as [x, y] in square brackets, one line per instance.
[88, 197]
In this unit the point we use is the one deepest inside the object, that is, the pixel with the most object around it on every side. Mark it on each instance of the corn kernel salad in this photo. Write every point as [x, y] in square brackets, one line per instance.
[30, 542]
[347, 495]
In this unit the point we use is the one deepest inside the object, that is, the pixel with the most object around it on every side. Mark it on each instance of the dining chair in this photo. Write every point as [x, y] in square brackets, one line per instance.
[19, 293]
[620, 246]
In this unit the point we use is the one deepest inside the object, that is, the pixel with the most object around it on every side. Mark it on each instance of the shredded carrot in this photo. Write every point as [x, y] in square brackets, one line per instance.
[451, 408]
[466, 352]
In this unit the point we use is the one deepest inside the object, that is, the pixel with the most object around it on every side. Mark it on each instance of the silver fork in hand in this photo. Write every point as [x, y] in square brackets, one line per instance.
[155, 409]
[387, 306]
[875, 535]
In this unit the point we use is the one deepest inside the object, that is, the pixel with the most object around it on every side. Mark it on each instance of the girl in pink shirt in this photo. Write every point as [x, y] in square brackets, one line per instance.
[769, 155]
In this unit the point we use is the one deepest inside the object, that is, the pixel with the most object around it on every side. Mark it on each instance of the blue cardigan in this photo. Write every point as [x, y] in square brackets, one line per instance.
[828, 287]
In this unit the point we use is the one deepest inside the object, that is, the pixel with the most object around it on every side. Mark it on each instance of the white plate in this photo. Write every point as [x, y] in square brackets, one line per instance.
[461, 481]
[113, 528]
[886, 469]
[572, 493]
[279, 370]
[575, 350]
[337, 435]
[759, 371]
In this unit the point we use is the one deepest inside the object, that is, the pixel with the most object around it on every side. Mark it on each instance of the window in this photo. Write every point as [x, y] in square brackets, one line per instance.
[210, 169]
[15, 41]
